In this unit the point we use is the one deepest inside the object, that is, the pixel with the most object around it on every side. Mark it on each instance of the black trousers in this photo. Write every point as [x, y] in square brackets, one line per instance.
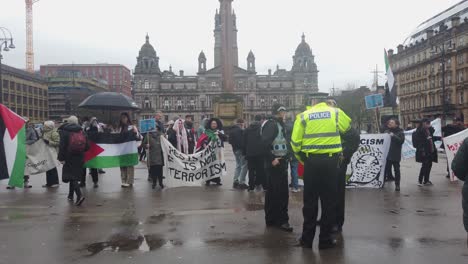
[256, 166]
[74, 188]
[320, 182]
[425, 171]
[94, 175]
[277, 194]
[341, 192]
[52, 177]
[156, 174]
[396, 167]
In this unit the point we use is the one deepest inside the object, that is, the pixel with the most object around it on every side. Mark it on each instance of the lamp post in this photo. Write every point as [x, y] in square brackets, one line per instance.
[443, 50]
[6, 43]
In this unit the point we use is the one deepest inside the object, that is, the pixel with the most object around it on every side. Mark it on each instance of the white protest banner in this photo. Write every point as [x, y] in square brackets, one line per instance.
[452, 144]
[368, 162]
[192, 170]
[40, 158]
[408, 151]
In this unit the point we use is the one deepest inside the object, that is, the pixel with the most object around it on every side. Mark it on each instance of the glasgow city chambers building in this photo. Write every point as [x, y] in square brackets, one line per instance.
[177, 94]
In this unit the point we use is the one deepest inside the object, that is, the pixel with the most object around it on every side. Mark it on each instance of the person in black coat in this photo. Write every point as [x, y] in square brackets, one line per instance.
[171, 134]
[276, 157]
[460, 168]
[72, 162]
[394, 154]
[236, 135]
[452, 129]
[426, 152]
[253, 151]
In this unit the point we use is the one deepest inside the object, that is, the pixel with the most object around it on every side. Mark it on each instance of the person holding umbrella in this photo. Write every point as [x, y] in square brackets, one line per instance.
[125, 126]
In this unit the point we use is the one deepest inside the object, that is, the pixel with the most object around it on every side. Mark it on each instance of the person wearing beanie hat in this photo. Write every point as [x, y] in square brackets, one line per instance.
[276, 156]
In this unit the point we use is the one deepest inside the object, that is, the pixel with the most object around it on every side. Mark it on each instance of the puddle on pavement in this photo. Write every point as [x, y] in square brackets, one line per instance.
[250, 242]
[125, 243]
[397, 243]
[156, 219]
[254, 207]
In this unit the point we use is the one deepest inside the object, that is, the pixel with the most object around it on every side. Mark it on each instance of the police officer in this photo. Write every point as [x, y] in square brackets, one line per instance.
[316, 141]
[276, 156]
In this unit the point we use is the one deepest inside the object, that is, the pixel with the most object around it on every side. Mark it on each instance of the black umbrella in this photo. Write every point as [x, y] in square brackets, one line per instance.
[109, 101]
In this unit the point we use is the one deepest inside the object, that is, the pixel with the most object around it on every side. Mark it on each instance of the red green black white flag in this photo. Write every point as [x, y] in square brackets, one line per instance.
[12, 147]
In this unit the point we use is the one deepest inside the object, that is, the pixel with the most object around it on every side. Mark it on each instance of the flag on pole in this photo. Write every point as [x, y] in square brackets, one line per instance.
[389, 73]
[12, 147]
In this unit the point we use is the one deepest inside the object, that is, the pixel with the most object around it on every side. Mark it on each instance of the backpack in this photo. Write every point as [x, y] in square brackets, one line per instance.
[77, 142]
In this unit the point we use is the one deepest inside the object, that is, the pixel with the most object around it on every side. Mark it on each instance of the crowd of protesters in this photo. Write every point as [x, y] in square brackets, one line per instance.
[263, 154]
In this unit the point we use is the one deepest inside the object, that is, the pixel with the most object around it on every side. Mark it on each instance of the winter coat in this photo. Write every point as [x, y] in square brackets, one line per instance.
[350, 142]
[236, 135]
[31, 135]
[396, 144]
[155, 153]
[269, 133]
[73, 166]
[253, 141]
[172, 137]
[160, 126]
[51, 137]
[423, 145]
[460, 168]
[207, 137]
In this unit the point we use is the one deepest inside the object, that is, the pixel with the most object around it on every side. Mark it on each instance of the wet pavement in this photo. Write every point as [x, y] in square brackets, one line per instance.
[221, 225]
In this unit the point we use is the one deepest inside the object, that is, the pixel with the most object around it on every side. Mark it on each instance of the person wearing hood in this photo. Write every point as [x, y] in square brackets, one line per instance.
[394, 154]
[254, 153]
[73, 145]
[31, 137]
[213, 132]
[152, 142]
[276, 157]
[51, 137]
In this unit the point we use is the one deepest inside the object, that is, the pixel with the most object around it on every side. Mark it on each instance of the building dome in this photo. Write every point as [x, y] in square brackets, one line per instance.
[147, 49]
[303, 49]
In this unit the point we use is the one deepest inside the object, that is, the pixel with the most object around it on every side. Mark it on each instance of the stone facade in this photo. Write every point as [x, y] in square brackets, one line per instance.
[417, 67]
[25, 93]
[180, 95]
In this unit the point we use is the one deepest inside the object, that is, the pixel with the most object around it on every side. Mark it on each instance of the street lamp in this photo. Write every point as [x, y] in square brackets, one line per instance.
[443, 50]
[6, 43]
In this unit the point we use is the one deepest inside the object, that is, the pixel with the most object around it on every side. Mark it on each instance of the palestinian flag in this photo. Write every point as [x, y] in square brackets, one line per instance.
[12, 147]
[111, 151]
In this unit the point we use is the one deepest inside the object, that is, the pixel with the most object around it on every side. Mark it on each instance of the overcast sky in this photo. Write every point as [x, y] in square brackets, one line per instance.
[347, 37]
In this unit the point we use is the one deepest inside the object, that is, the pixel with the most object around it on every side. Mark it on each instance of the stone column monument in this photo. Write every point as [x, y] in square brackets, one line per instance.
[228, 107]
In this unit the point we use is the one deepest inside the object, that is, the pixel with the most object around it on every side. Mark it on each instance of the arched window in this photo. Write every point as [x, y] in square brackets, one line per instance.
[146, 85]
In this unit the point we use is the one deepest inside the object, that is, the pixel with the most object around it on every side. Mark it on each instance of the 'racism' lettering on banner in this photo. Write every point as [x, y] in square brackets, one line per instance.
[368, 162]
[193, 170]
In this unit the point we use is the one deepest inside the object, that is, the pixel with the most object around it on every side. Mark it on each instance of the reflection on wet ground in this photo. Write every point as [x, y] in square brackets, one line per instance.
[221, 225]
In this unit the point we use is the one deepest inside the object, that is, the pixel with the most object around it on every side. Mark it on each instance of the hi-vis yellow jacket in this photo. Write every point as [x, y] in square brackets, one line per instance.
[317, 130]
